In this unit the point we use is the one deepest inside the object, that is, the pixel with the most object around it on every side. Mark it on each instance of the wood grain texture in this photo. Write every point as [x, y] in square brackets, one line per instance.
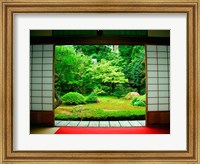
[9, 7]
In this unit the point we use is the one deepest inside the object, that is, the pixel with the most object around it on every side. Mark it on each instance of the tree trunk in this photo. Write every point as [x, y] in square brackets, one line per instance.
[58, 100]
[56, 96]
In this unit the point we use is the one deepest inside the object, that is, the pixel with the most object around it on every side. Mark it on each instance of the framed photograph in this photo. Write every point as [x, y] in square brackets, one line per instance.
[125, 90]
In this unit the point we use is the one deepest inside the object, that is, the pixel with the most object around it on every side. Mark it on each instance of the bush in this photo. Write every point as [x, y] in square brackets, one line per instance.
[92, 98]
[139, 101]
[100, 115]
[73, 98]
[122, 89]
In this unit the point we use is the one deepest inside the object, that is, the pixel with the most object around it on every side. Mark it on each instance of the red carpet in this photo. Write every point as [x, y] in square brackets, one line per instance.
[135, 130]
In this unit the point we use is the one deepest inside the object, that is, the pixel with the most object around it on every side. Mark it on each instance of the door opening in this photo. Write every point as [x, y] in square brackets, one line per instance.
[100, 84]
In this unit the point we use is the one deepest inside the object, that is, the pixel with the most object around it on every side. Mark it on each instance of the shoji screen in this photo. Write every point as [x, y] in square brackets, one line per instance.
[158, 77]
[41, 77]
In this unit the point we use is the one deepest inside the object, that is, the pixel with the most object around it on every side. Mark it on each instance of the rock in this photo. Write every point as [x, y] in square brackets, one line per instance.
[131, 95]
[97, 100]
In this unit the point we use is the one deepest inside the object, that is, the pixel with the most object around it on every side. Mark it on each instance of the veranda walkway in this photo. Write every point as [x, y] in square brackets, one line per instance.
[128, 123]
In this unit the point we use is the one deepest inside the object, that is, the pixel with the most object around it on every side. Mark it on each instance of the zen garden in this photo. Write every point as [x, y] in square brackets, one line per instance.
[100, 82]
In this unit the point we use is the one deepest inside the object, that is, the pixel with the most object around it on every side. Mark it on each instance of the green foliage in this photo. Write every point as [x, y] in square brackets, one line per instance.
[92, 98]
[134, 57]
[95, 51]
[139, 101]
[115, 73]
[100, 114]
[105, 73]
[71, 70]
[73, 98]
[122, 89]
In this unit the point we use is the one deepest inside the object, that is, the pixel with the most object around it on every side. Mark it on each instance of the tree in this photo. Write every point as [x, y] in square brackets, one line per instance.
[107, 74]
[137, 69]
[134, 57]
[71, 68]
[95, 51]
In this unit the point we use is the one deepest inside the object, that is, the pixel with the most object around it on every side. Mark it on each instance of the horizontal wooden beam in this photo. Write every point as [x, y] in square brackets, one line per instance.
[99, 40]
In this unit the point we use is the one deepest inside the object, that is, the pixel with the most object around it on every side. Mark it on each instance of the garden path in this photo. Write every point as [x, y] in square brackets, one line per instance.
[127, 123]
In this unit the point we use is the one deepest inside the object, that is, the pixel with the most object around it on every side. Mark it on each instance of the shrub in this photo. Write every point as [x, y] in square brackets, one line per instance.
[139, 101]
[122, 89]
[73, 98]
[100, 114]
[92, 98]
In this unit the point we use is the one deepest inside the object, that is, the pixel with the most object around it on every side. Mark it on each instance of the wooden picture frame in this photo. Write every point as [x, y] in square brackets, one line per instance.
[10, 7]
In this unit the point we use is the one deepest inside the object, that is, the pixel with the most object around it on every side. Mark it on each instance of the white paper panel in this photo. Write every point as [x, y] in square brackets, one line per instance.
[47, 100]
[151, 48]
[152, 94]
[36, 73]
[47, 60]
[163, 107]
[47, 87]
[48, 67]
[163, 94]
[36, 100]
[162, 48]
[47, 54]
[47, 107]
[152, 87]
[163, 100]
[152, 80]
[47, 73]
[152, 101]
[36, 80]
[36, 107]
[152, 67]
[36, 86]
[48, 47]
[37, 54]
[152, 74]
[152, 107]
[42, 77]
[163, 74]
[158, 77]
[36, 67]
[162, 61]
[37, 47]
[152, 61]
[47, 80]
[36, 93]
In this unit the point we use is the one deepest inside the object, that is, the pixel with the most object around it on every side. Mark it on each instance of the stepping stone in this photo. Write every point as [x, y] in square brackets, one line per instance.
[114, 124]
[73, 123]
[125, 124]
[94, 124]
[83, 124]
[135, 123]
[63, 123]
[104, 124]
[142, 122]
[57, 122]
